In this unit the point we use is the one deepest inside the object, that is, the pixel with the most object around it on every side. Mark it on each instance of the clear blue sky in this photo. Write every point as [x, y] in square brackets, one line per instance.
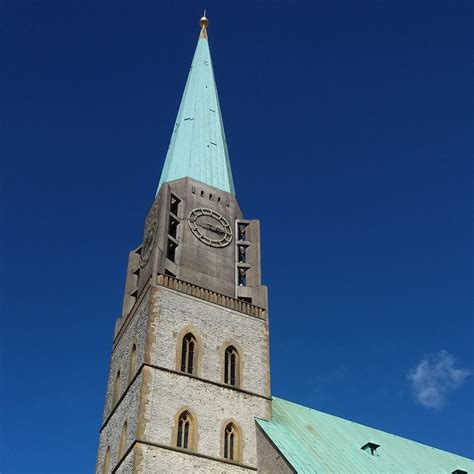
[349, 127]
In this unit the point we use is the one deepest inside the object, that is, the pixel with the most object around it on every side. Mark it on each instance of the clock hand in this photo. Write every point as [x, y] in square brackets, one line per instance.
[210, 227]
[216, 229]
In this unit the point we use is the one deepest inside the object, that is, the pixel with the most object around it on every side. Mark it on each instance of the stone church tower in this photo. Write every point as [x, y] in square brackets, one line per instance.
[189, 371]
[189, 381]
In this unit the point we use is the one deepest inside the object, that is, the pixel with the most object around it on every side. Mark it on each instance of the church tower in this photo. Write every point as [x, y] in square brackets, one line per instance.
[189, 370]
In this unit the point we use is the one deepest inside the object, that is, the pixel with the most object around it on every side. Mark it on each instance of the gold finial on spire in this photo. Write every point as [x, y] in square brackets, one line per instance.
[204, 22]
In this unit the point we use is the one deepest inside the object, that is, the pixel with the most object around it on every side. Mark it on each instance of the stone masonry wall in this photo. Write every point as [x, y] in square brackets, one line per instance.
[167, 315]
[126, 411]
[211, 406]
[135, 333]
[269, 459]
[215, 328]
[127, 465]
[157, 460]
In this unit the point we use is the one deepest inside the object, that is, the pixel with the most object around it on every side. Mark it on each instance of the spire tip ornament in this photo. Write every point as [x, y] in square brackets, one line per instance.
[204, 22]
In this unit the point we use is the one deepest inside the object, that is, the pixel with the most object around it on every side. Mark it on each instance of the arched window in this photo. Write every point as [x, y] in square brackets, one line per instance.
[185, 436]
[116, 392]
[133, 363]
[231, 442]
[105, 469]
[123, 439]
[231, 366]
[188, 354]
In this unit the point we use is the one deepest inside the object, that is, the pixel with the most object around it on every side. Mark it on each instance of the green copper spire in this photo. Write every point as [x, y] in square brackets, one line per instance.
[198, 148]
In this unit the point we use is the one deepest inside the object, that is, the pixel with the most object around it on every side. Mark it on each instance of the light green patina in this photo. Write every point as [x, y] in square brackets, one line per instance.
[198, 147]
[315, 442]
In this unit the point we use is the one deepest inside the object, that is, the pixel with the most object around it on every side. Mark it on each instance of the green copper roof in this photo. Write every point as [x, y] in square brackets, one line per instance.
[315, 442]
[198, 147]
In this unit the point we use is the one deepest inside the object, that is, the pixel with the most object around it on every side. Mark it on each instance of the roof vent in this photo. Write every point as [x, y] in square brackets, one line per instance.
[371, 448]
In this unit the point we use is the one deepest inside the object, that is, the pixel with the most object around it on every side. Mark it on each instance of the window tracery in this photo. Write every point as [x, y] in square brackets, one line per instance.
[231, 366]
[185, 434]
[188, 354]
[231, 442]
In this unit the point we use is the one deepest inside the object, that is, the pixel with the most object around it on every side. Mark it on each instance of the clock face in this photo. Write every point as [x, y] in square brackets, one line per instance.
[147, 248]
[210, 227]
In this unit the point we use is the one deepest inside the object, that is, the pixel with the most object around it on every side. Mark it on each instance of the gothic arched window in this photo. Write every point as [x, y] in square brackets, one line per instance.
[133, 363]
[188, 354]
[231, 366]
[231, 442]
[105, 466]
[185, 435]
[123, 439]
[116, 391]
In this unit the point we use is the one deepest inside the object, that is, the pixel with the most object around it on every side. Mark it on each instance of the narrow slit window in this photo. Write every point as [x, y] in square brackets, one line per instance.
[188, 354]
[116, 391]
[123, 439]
[106, 464]
[133, 363]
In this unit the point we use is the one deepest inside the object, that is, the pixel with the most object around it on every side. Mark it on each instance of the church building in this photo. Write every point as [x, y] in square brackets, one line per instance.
[189, 382]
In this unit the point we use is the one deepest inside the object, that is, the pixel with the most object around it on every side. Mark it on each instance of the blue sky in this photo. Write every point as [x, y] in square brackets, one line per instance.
[349, 127]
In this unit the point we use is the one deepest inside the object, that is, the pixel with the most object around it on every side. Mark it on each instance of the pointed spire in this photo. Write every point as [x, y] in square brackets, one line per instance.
[198, 147]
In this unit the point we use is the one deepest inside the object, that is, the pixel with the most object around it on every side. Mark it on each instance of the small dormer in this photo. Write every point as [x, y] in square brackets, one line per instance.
[371, 448]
